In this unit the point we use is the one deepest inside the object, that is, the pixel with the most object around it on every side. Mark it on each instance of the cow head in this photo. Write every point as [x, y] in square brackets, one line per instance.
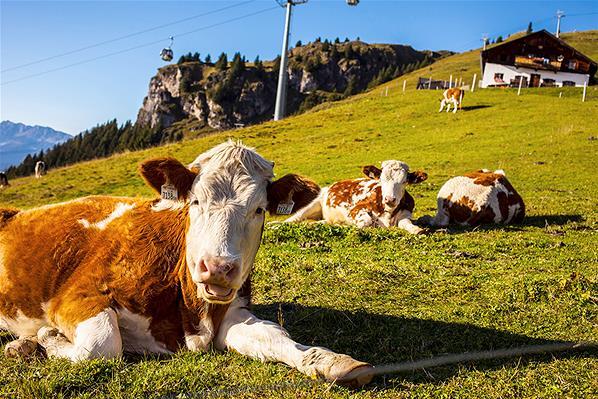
[394, 177]
[226, 190]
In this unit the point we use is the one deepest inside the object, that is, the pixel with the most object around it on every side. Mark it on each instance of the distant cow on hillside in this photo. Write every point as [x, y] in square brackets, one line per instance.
[379, 200]
[452, 96]
[99, 276]
[3, 180]
[40, 169]
[475, 198]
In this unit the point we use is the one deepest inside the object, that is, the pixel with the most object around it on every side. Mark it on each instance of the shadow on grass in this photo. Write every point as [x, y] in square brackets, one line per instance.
[380, 339]
[535, 221]
[543, 220]
[474, 107]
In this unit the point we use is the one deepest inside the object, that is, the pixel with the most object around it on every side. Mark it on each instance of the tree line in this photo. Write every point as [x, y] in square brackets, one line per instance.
[100, 141]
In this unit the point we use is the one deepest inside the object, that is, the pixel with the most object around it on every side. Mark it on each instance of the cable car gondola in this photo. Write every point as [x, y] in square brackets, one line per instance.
[166, 54]
[352, 2]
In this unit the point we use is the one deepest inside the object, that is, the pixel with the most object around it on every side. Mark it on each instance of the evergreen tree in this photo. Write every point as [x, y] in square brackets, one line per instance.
[222, 62]
[196, 57]
[347, 40]
[337, 40]
[499, 39]
[298, 44]
[529, 28]
[237, 66]
[208, 59]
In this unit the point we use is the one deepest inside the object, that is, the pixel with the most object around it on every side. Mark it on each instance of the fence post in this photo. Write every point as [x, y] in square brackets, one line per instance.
[386, 93]
[520, 82]
[404, 83]
[451, 81]
[430, 84]
[583, 96]
[475, 76]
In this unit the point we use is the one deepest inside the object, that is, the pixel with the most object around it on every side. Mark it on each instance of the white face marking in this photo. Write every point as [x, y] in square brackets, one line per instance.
[226, 215]
[120, 210]
[393, 180]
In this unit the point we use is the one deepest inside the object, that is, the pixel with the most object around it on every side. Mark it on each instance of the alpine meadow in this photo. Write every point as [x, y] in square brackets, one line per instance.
[381, 295]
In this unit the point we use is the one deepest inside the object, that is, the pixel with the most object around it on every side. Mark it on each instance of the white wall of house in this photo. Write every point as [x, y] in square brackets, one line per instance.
[510, 72]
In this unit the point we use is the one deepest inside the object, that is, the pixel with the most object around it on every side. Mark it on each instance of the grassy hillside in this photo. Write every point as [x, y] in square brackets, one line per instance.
[380, 295]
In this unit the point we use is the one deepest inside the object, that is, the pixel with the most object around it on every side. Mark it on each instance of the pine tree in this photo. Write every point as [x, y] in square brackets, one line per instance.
[208, 59]
[237, 66]
[529, 28]
[337, 40]
[298, 44]
[499, 39]
[222, 62]
[196, 57]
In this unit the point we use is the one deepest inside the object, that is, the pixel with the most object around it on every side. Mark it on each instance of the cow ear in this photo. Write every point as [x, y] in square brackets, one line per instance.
[371, 171]
[416, 177]
[291, 188]
[167, 171]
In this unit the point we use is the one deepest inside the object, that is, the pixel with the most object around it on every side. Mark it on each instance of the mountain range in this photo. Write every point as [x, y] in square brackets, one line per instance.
[17, 140]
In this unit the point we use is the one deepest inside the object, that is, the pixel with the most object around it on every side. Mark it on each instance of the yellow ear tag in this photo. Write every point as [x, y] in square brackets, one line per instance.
[169, 192]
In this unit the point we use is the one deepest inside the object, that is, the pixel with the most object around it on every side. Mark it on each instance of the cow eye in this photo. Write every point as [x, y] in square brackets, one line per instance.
[195, 202]
[259, 211]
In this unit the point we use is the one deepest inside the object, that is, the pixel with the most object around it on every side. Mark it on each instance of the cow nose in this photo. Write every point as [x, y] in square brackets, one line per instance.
[389, 199]
[217, 270]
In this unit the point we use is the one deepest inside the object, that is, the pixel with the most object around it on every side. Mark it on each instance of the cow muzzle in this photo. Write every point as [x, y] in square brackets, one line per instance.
[215, 278]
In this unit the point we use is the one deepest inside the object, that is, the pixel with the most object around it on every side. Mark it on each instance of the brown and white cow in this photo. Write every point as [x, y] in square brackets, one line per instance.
[3, 180]
[99, 276]
[475, 198]
[379, 200]
[452, 96]
[40, 169]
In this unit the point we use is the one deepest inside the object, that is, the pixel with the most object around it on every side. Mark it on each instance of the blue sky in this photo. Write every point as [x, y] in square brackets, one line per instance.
[79, 97]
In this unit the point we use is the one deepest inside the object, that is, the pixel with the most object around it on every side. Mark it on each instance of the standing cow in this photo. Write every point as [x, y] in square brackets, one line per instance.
[99, 276]
[40, 169]
[478, 197]
[380, 199]
[452, 96]
[3, 180]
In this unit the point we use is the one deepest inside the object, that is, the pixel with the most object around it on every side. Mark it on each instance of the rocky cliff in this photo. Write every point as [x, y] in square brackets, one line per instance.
[222, 98]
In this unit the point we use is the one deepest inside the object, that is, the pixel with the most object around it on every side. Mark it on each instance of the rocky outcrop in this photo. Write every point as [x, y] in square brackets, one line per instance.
[223, 99]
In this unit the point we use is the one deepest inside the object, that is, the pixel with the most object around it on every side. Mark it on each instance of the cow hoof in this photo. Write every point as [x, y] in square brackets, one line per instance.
[21, 348]
[46, 333]
[338, 368]
[357, 377]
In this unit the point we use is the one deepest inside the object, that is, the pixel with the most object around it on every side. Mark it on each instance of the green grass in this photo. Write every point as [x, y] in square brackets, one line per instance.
[381, 295]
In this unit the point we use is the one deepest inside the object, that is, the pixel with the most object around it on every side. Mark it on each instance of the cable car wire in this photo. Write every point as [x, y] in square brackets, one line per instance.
[116, 39]
[141, 45]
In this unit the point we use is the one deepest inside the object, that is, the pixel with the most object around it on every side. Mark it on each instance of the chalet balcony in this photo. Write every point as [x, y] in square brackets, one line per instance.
[538, 63]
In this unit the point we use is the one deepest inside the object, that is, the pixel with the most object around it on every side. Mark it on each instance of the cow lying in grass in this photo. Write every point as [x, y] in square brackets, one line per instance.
[475, 198]
[379, 200]
[99, 276]
[452, 96]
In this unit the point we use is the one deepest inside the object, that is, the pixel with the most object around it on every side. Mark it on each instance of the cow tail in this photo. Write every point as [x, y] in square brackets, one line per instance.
[6, 214]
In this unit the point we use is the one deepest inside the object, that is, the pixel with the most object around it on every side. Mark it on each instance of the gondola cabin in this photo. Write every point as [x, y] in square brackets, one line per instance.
[540, 59]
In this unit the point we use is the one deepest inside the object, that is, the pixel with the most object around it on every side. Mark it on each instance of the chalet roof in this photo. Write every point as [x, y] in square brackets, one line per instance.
[505, 46]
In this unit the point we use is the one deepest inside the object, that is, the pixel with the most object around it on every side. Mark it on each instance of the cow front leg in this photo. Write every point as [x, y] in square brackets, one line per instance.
[96, 337]
[442, 103]
[246, 334]
[403, 221]
[455, 106]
